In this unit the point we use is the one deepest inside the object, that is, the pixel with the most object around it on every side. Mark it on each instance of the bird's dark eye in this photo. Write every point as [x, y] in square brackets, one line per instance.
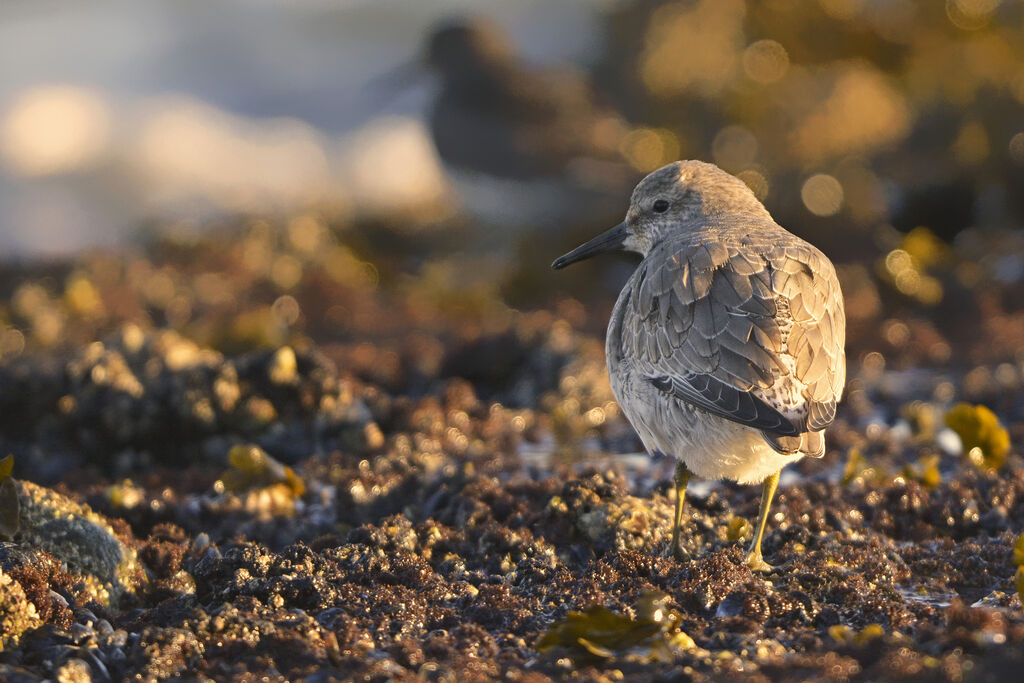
[660, 206]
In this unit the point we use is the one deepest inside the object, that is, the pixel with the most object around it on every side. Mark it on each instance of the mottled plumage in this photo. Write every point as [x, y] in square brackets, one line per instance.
[726, 346]
[737, 327]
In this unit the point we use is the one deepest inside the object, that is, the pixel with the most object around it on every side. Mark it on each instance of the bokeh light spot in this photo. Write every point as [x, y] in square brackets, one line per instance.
[54, 129]
[822, 195]
[756, 181]
[306, 233]
[213, 289]
[970, 15]
[907, 275]
[863, 111]
[692, 47]
[971, 145]
[12, 342]
[765, 61]
[286, 309]
[286, 271]
[734, 148]
[1017, 148]
[841, 9]
[649, 148]
[896, 332]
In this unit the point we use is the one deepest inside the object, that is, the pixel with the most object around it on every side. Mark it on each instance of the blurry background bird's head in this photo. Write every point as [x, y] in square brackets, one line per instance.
[462, 48]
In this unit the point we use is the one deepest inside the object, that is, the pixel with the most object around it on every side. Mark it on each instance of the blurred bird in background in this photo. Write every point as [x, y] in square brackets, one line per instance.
[523, 145]
[497, 116]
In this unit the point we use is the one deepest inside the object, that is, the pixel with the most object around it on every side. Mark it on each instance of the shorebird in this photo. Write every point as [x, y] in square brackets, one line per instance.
[497, 116]
[523, 145]
[726, 345]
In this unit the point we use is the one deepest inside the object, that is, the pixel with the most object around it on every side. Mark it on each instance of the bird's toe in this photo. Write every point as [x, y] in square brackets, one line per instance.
[756, 563]
[680, 553]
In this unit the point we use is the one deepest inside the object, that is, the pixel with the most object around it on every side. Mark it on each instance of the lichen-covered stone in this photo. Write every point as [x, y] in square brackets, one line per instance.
[82, 540]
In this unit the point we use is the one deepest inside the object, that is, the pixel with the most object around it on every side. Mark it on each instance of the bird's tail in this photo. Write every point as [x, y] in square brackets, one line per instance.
[808, 443]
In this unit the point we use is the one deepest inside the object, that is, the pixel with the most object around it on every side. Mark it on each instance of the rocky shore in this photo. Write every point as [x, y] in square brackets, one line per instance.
[261, 457]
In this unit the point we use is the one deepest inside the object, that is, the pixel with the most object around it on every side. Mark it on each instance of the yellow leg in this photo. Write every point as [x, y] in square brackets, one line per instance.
[754, 559]
[682, 479]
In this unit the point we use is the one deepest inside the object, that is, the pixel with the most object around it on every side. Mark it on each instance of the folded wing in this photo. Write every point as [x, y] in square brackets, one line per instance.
[752, 333]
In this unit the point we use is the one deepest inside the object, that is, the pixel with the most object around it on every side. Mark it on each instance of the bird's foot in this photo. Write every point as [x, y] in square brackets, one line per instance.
[679, 553]
[757, 563]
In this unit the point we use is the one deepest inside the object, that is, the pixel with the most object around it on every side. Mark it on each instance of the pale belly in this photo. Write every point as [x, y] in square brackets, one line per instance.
[710, 446]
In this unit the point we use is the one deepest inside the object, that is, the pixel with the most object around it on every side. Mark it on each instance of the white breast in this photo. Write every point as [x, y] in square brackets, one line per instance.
[710, 446]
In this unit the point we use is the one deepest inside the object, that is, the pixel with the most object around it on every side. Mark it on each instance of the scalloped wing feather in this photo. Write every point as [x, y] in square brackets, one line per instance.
[751, 332]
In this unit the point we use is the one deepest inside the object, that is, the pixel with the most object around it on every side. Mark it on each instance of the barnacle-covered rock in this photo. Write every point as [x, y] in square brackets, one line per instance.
[17, 613]
[611, 520]
[74, 670]
[42, 578]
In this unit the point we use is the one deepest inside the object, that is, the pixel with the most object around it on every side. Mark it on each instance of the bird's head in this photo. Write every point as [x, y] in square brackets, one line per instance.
[467, 43]
[677, 198]
[461, 50]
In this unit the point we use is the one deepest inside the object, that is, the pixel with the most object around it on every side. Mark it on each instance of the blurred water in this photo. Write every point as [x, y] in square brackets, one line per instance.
[186, 109]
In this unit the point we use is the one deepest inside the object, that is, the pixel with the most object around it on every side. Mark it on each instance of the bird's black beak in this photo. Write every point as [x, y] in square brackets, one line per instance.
[606, 241]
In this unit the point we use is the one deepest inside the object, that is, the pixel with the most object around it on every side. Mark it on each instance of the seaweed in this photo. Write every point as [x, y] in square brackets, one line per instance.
[986, 442]
[599, 633]
[252, 468]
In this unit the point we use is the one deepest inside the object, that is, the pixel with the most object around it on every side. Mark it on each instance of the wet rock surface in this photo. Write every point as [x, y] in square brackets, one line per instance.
[377, 501]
